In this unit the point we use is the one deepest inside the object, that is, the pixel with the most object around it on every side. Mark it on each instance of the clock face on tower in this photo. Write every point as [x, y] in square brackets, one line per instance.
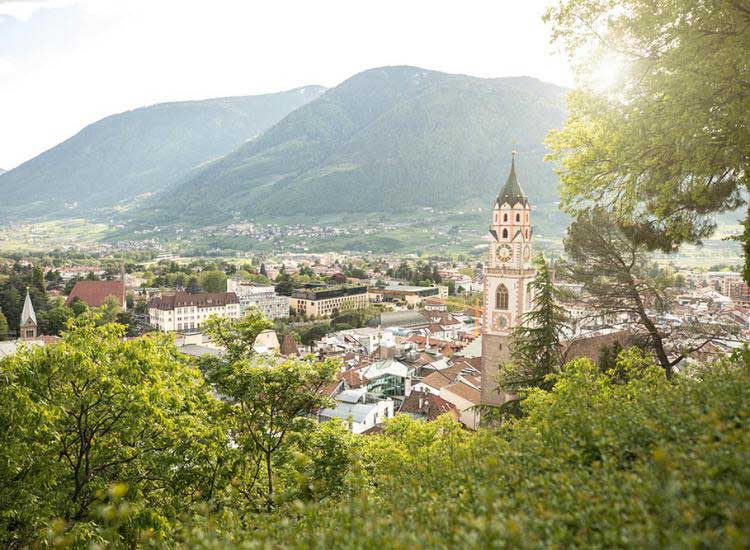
[504, 253]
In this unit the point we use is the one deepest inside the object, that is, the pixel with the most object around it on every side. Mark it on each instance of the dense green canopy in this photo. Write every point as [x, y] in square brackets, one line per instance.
[104, 440]
[667, 144]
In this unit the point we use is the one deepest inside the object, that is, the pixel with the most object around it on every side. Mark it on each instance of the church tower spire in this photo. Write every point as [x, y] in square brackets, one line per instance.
[511, 193]
[507, 279]
[28, 324]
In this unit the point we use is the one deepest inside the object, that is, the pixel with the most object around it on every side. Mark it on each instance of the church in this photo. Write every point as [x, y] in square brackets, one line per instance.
[508, 276]
[508, 290]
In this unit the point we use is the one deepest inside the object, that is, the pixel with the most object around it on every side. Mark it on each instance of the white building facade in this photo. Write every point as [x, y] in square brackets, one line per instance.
[262, 297]
[187, 312]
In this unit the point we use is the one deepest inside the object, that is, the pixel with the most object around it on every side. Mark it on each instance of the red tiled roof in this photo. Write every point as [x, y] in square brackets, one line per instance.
[200, 299]
[353, 378]
[427, 404]
[474, 362]
[441, 378]
[330, 388]
[94, 293]
[464, 391]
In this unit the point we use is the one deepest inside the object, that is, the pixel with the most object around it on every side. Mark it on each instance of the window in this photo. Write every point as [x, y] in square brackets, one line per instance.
[518, 217]
[501, 297]
[505, 217]
[505, 233]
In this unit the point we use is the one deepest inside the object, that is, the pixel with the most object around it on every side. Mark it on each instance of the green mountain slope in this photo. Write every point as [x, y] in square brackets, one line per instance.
[385, 140]
[142, 151]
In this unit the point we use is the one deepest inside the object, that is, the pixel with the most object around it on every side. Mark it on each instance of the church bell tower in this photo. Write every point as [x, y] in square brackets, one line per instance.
[28, 325]
[507, 280]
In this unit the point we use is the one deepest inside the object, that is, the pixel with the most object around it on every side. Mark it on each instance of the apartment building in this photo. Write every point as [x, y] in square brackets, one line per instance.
[182, 311]
[262, 297]
[324, 301]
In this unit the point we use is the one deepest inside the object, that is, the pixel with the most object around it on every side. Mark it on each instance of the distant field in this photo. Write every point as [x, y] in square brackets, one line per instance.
[51, 235]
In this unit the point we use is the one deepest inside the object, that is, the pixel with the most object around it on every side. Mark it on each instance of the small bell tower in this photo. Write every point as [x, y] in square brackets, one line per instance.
[28, 328]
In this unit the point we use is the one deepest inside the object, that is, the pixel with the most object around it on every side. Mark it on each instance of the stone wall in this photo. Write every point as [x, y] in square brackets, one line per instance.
[591, 347]
[495, 351]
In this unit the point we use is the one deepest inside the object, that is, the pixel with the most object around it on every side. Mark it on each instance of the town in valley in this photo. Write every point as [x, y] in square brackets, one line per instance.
[414, 335]
[355, 275]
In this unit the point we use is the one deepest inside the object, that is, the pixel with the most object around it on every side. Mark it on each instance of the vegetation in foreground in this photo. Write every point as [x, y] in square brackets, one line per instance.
[123, 441]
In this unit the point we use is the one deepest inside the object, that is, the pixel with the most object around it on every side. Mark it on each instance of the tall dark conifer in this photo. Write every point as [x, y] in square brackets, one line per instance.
[536, 350]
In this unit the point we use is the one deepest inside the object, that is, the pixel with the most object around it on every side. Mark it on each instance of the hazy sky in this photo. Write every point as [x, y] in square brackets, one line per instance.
[67, 63]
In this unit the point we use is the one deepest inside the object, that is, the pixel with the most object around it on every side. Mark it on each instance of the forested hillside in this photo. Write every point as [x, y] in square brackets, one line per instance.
[118, 158]
[385, 140]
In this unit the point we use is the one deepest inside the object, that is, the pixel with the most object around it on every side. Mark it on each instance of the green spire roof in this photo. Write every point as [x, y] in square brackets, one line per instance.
[511, 191]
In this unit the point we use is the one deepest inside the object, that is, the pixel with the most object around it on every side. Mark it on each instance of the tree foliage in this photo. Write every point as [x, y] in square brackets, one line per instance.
[213, 281]
[94, 411]
[3, 326]
[270, 400]
[666, 146]
[619, 278]
[537, 350]
[111, 441]
[236, 336]
[596, 462]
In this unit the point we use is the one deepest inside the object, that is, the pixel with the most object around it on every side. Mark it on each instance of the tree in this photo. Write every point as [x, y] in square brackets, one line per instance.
[451, 287]
[536, 347]
[284, 284]
[78, 306]
[53, 279]
[68, 288]
[12, 304]
[213, 281]
[617, 279]
[141, 307]
[37, 279]
[55, 320]
[667, 144]
[96, 413]
[236, 336]
[109, 310]
[3, 326]
[125, 318]
[270, 400]
[263, 270]
[314, 333]
[192, 286]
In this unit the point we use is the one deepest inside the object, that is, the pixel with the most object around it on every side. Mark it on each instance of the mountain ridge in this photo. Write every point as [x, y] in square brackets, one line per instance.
[139, 151]
[383, 134]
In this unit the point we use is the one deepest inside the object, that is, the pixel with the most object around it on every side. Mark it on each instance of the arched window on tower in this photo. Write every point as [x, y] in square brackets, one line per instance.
[501, 297]
[505, 217]
[505, 233]
[518, 217]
